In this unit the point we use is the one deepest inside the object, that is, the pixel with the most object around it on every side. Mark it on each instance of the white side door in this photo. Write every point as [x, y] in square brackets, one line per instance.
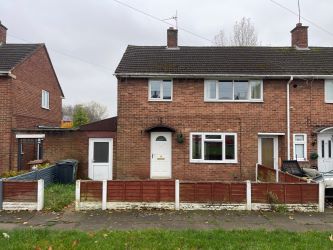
[100, 158]
[160, 158]
[325, 152]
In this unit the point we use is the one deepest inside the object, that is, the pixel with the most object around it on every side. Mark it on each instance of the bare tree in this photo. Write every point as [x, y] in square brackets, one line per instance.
[243, 34]
[220, 39]
[93, 110]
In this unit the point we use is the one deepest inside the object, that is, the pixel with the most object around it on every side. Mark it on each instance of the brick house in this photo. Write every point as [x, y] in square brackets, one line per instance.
[212, 113]
[30, 98]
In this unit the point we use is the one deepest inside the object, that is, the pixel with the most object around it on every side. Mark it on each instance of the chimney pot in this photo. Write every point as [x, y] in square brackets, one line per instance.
[172, 38]
[3, 33]
[299, 36]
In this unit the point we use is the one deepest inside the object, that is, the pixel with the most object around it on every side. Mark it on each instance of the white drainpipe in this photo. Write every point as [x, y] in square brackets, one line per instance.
[288, 117]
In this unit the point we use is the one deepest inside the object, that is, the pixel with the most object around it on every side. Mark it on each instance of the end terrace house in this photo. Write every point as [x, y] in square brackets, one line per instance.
[30, 99]
[212, 113]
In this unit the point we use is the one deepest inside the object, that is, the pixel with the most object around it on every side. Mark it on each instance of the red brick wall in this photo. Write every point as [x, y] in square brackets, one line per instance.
[189, 113]
[74, 145]
[32, 76]
[5, 122]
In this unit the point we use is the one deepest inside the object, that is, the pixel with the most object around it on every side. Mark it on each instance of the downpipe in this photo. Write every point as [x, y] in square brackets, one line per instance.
[288, 116]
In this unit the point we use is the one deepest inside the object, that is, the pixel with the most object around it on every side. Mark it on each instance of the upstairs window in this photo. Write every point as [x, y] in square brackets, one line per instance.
[329, 91]
[160, 90]
[45, 99]
[225, 91]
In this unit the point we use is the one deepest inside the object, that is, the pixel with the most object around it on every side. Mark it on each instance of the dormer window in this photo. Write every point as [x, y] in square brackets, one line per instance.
[160, 90]
[234, 91]
[45, 99]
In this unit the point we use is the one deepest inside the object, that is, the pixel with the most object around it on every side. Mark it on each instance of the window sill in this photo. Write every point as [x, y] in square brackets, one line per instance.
[329, 102]
[45, 108]
[159, 100]
[236, 101]
[214, 162]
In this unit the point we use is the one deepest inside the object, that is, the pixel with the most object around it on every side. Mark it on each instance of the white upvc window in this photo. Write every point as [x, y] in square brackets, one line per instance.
[160, 90]
[233, 91]
[45, 99]
[211, 147]
[300, 149]
[329, 91]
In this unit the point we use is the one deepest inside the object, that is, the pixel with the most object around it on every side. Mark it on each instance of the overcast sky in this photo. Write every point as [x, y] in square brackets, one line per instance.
[86, 38]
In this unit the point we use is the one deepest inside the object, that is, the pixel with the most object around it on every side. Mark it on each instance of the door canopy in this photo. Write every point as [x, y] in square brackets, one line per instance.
[324, 130]
[160, 128]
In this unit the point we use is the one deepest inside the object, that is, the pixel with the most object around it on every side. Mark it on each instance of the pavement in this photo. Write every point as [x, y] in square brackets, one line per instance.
[173, 220]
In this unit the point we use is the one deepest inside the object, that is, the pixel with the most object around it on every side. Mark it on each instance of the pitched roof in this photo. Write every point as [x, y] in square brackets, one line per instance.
[109, 124]
[12, 54]
[143, 60]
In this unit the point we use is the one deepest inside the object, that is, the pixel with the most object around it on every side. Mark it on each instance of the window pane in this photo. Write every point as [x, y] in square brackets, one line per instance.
[241, 90]
[211, 89]
[255, 89]
[213, 150]
[167, 90]
[329, 90]
[299, 137]
[213, 137]
[101, 152]
[196, 147]
[329, 149]
[155, 91]
[322, 149]
[299, 151]
[225, 90]
[161, 138]
[230, 147]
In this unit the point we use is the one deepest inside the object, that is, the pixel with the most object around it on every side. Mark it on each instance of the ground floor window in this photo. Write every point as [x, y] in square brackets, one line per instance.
[300, 147]
[213, 147]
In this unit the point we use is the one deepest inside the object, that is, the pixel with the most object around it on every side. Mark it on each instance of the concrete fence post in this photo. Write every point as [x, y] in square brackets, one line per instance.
[1, 194]
[257, 165]
[104, 194]
[248, 195]
[177, 194]
[277, 175]
[321, 202]
[77, 195]
[40, 194]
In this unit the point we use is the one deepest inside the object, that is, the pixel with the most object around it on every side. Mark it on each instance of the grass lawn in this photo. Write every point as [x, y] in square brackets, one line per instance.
[58, 196]
[163, 239]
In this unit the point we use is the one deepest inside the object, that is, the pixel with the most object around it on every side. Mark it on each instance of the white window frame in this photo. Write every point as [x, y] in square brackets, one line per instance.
[249, 99]
[45, 99]
[203, 134]
[325, 89]
[304, 142]
[160, 99]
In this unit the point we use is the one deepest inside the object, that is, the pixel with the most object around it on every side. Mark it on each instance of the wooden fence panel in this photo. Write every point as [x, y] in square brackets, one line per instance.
[20, 191]
[91, 191]
[212, 192]
[141, 191]
[266, 174]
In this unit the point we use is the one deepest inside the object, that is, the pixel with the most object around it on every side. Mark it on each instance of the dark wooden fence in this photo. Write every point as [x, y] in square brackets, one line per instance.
[266, 174]
[91, 191]
[141, 191]
[213, 192]
[21, 195]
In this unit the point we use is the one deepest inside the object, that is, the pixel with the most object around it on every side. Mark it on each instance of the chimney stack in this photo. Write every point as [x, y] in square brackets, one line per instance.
[172, 38]
[3, 34]
[299, 36]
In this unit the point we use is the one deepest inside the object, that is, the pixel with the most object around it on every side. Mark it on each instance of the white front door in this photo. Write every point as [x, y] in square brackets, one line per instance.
[160, 158]
[325, 152]
[268, 151]
[100, 158]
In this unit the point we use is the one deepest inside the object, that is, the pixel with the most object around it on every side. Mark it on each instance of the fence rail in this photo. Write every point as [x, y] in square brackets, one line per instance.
[266, 174]
[198, 195]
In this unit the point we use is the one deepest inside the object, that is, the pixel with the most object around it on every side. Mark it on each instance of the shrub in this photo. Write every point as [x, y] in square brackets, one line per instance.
[12, 173]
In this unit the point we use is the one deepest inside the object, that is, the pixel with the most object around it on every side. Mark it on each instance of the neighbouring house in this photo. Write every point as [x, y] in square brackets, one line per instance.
[30, 99]
[212, 113]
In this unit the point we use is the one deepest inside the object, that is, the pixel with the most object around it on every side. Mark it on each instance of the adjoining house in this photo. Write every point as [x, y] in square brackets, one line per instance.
[30, 98]
[212, 113]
